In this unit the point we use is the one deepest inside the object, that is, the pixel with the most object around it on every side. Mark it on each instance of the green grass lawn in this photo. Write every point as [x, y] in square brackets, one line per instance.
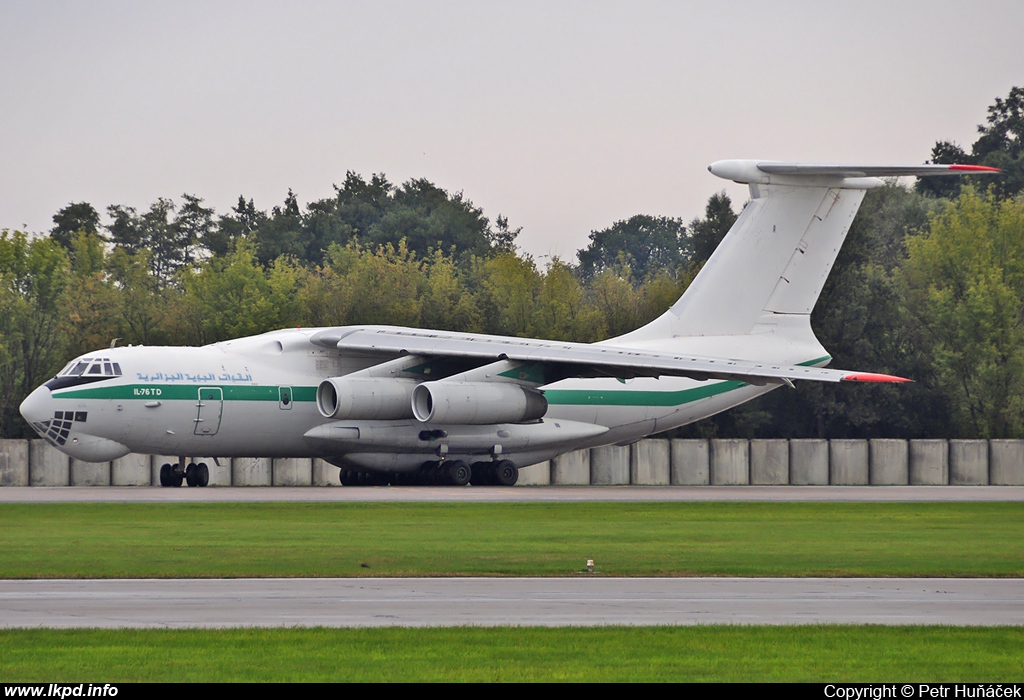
[91, 540]
[719, 653]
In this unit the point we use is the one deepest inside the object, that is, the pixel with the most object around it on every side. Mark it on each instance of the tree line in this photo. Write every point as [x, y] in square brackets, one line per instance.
[929, 285]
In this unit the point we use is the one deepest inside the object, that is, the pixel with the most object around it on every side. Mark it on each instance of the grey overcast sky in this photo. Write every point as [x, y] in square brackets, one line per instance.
[563, 116]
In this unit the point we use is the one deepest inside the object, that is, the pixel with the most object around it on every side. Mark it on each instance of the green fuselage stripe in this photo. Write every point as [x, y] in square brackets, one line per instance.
[177, 392]
[626, 397]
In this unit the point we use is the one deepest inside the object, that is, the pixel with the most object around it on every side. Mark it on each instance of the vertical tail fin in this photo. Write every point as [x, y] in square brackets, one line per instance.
[772, 264]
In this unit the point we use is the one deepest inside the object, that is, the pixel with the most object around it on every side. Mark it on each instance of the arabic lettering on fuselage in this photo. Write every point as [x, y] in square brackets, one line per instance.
[206, 378]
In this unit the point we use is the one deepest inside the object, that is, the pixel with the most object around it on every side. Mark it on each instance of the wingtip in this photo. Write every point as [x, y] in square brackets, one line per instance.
[975, 168]
[874, 377]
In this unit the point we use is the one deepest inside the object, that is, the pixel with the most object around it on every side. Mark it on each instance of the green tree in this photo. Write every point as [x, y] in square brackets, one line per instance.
[650, 245]
[34, 277]
[75, 217]
[705, 234]
[965, 289]
[1000, 144]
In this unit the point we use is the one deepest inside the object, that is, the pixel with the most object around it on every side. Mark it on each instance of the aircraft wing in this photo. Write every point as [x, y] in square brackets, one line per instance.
[565, 359]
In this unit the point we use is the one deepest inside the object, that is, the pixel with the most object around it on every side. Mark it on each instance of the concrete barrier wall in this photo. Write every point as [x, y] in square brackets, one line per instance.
[131, 470]
[47, 466]
[808, 462]
[730, 462]
[1006, 462]
[571, 469]
[14, 463]
[769, 462]
[929, 462]
[646, 462]
[535, 474]
[292, 471]
[848, 462]
[89, 473]
[609, 465]
[649, 463]
[890, 462]
[968, 462]
[250, 471]
[691, 465]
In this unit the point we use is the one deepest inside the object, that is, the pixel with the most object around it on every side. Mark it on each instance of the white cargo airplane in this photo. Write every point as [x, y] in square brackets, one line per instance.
[396, 404]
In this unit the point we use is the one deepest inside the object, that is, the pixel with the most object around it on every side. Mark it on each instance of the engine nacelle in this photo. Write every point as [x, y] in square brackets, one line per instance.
[365, 398]
[476, 403]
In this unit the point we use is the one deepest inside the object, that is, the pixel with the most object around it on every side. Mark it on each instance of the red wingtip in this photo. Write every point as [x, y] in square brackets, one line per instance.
[975, 168]
[872, 377]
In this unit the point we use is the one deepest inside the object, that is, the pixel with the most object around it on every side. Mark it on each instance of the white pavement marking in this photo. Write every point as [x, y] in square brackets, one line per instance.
[550, 602]
[525, 494]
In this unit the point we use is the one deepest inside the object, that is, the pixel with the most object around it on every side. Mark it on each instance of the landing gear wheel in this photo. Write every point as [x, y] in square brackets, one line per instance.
[165, 475]
[457, 473]
[190, 475]
[201, 475]
[507, 473]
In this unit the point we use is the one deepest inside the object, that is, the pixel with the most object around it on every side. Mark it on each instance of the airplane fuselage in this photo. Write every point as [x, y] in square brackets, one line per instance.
[257, 397]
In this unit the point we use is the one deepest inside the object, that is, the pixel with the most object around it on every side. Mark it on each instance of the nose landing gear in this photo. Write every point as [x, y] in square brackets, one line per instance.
[194, 475]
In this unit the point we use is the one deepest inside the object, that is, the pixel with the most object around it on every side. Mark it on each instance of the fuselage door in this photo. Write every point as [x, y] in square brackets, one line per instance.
[209, 409]
[284, 398]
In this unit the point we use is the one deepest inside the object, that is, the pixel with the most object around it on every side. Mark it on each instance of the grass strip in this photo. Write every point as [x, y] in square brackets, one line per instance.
[113, 540]
[601, 654]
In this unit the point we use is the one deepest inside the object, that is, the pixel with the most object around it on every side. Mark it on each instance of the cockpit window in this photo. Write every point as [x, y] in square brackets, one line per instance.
[93, 367]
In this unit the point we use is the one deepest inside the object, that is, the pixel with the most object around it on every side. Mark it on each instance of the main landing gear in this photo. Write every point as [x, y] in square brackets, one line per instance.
[453, 473]
[193, 475]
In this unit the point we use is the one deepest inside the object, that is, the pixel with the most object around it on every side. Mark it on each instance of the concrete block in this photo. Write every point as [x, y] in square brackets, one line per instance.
[769, 462]
[13, 462]
[47, 466]
[848, 462]
[890, 462]
[609, 465]
[131, 470]
[730, 462]
[571, 469]
[292, 471]
[325, 473]
[808, 462]
[929, 462]
[691, 462]
[649, 463]
[89, 473]
[250, 471]
[535, 474]
[968, 462]
[1006, 462]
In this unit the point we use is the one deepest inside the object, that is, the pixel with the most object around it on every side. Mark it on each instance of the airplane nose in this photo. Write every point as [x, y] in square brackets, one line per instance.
[37, 406]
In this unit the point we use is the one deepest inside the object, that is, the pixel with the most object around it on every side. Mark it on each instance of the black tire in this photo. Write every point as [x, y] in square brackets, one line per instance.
[349, 477]
[202, 475]
[457, 473]
[507, 473]
[190, 475]
[176, 479]
[165, 475]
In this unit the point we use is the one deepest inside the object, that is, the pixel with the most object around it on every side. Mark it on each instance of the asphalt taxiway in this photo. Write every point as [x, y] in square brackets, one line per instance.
[550, 602]
[515, 494]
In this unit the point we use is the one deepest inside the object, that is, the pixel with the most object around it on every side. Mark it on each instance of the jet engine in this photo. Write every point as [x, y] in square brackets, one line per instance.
[366, 399]
[476, 403]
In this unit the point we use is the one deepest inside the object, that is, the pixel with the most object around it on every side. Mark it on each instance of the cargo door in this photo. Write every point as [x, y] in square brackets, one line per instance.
[209, 409]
